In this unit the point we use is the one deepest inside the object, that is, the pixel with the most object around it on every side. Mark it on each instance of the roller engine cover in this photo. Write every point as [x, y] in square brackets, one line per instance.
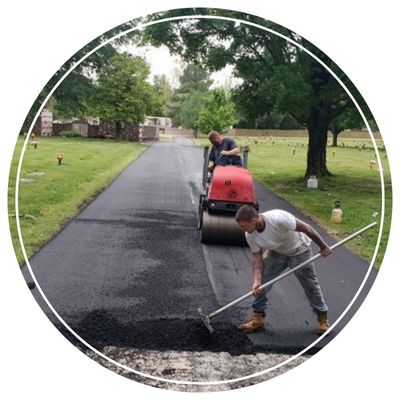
[231, 184]
[229, 189]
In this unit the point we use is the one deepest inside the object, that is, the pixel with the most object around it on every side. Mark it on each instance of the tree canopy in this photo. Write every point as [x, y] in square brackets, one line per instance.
[188, 98]
[277, 73]
[218, 112]
[68, 98]
[161, 96]
[190, 109]
[72, 96]
[122, 92]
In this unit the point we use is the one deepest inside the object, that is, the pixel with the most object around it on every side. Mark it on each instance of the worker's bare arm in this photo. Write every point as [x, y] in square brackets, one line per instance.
[235, 151]
[258, 266]
[313, 235]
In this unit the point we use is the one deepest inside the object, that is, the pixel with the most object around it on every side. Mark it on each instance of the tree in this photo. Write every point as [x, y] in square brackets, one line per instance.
[348, 120]
[190, 109]
[218, 113]
[351, 119]
[122, 93]
[276, 74]
[194, 79]
[68, 99]
[162, 93]
[72, 96]
[193, 85]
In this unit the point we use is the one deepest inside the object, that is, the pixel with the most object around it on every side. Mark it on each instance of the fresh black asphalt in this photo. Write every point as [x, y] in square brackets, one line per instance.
[130, 271]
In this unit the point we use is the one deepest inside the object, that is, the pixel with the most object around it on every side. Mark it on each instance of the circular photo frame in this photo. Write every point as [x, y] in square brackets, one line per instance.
[200, 199]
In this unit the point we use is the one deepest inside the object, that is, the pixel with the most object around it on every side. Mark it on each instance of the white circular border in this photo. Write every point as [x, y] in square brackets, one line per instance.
[142, 26]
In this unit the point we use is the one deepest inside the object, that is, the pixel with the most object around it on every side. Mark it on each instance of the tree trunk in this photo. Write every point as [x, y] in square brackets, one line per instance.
[118, 128]
[335, 138]
[317, 126]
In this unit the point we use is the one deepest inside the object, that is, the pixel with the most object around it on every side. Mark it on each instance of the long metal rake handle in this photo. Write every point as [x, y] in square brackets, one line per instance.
[291, 271]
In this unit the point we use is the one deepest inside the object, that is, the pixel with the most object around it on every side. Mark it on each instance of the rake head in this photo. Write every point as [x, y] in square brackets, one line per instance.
[206, 320]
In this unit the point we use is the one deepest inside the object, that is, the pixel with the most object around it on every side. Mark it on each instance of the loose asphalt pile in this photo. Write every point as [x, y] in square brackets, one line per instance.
[101, 329]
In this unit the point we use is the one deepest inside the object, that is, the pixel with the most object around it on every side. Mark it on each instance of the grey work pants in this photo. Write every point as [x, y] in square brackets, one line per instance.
[275, 264]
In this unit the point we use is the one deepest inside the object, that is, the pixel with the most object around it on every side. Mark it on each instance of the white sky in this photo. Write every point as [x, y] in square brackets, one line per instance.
[163, 63]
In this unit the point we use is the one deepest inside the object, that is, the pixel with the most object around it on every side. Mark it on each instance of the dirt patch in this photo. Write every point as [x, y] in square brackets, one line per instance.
[176, 368]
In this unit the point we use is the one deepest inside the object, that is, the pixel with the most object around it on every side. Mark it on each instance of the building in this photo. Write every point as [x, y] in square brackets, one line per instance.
[161, 122]
[44, 123]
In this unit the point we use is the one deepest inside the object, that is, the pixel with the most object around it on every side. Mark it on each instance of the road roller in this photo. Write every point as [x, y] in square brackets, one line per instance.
[225, 190]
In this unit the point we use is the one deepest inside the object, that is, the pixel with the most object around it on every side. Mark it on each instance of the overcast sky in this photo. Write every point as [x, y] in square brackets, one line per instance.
[163, 63]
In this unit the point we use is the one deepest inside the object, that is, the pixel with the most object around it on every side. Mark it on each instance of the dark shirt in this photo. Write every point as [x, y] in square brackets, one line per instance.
[215, 153]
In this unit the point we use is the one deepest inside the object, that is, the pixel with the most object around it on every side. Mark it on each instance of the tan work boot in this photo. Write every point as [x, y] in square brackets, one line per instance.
[323, 322]
[255, 324]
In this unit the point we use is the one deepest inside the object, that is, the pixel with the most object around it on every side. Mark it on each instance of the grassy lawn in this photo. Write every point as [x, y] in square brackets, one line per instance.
[50, 194]
[279, 164]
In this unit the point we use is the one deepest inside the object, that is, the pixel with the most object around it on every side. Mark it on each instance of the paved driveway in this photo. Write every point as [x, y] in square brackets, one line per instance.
[129, 271]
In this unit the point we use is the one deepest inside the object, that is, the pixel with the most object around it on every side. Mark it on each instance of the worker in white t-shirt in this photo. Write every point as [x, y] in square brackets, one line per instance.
[278, 241]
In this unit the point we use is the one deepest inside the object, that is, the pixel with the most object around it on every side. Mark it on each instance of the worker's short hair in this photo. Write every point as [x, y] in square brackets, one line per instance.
[246, 213]
[213, 135]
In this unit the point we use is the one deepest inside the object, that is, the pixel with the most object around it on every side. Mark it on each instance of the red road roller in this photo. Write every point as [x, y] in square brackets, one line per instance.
[224, 192]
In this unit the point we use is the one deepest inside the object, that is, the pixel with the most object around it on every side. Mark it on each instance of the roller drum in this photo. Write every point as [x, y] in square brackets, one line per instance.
[221, 229]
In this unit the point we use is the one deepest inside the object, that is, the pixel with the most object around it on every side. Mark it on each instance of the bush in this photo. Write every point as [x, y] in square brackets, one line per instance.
[71, 134]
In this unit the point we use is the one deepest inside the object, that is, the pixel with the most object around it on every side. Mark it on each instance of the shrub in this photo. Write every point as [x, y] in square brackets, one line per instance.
[71, 134]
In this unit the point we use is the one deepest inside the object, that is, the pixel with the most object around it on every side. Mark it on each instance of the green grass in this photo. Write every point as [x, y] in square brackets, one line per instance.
[50, 194]
[49, 200]
[279, 164]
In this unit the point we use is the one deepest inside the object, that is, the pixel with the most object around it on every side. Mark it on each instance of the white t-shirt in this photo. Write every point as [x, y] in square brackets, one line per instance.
[279, 235]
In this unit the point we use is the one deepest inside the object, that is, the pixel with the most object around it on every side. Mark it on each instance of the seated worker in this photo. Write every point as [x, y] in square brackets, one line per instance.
[225, 151]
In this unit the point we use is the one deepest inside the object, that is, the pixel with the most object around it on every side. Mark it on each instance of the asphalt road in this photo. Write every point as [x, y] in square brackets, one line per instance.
[130, 271]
